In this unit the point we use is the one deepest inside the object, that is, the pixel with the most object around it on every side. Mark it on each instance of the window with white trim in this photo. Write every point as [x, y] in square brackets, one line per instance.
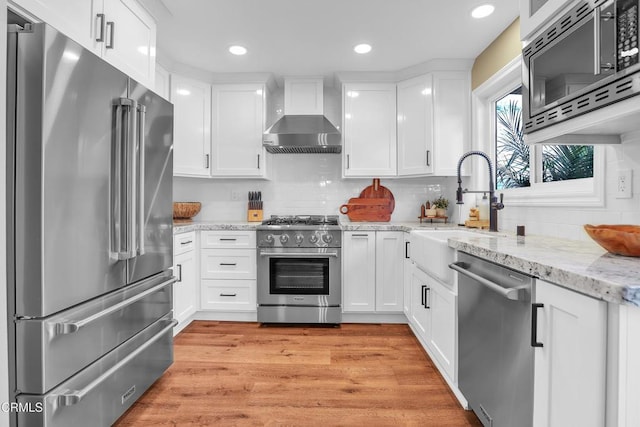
[538, 175]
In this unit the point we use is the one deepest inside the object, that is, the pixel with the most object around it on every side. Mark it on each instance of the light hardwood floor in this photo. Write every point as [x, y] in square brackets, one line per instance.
[233, 373]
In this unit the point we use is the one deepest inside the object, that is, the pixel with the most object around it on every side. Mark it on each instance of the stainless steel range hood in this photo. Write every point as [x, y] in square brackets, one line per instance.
[302, 134]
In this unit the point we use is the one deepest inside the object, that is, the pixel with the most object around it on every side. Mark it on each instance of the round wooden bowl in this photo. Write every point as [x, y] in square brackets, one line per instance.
[617, 239]
[186, 210]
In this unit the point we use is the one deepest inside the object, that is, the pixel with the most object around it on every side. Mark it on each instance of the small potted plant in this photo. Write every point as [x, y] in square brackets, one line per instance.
[441, 204]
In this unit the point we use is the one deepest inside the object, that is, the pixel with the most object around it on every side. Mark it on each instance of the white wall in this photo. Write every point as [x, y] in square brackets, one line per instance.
[567, 222]
[306, 184]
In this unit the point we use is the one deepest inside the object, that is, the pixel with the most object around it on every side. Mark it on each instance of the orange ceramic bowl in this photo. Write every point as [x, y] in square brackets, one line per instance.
[185, 210]
[617, 239]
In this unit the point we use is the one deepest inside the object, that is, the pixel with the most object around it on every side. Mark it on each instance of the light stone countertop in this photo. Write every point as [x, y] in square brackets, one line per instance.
[579, 265]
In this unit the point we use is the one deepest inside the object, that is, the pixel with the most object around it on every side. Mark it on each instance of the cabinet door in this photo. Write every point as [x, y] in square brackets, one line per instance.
[185, 289]
[238, 124]
[359, 271]
[369, 130]
[415, 126]
[162, 83]
[419, 311]
[303, 96]
[570, 367]
[192, 126]
[451, 123]
[389, 271]
[78, 20]
[442, 339]
[408, 270]
[130, 43]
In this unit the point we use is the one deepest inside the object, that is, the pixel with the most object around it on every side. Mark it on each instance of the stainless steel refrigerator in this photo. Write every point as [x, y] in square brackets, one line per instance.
[90, 233]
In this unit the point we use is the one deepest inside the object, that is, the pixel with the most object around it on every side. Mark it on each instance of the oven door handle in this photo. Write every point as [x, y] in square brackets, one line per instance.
[299, 254]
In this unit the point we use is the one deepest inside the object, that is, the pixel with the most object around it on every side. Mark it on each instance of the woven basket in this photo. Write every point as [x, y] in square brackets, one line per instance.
[186, 210]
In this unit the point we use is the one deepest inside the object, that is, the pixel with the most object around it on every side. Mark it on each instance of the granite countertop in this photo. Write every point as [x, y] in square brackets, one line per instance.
[579, 265]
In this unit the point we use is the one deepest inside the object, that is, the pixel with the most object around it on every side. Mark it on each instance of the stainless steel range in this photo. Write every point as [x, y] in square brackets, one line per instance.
[299, 261]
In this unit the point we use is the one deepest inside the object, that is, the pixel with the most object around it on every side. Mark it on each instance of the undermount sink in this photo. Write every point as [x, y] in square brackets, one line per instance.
[431, 252]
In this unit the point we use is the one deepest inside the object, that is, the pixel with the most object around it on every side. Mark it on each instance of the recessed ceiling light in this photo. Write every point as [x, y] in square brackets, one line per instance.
[482, 11]
[238, 50]
[362, 48]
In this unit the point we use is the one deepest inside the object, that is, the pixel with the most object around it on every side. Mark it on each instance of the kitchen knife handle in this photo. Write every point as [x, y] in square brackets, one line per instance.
[100, 19]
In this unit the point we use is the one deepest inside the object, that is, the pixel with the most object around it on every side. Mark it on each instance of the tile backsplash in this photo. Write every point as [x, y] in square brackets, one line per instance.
[306, 184]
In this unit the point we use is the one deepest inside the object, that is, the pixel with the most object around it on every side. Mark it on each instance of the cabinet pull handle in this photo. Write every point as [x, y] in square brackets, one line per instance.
[228, 295]
[187, 242]
[100, 18]
[258, 161]
[427, 292]
[406, 250]
[222, 239]
[428, 157]
[179, 273]
[534, 325]
[206, 161]
[423, 295]
[228, 263]
[112, 29]
[359, 235]
[347, 161]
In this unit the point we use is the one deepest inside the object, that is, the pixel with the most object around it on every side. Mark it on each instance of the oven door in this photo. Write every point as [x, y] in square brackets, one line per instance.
[299, 276]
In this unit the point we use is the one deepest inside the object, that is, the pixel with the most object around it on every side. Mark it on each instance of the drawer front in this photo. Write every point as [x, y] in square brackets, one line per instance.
[184, 242]
[52, 349]
[236, 295]
[228, 264]
[106, 389]
[228, 239]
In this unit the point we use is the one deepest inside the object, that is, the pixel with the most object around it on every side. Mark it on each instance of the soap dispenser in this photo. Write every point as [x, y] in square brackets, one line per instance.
[483, 208]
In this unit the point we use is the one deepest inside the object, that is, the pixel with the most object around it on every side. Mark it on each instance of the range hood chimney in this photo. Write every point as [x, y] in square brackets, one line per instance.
[303, 128]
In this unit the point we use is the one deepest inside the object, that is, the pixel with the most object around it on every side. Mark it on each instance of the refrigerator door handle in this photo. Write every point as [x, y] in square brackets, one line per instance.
[123, 197]
[69, 327]
[142, 114]
[75, 396]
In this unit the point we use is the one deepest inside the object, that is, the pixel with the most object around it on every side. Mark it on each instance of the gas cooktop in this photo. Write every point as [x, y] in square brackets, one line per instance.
[305, 220]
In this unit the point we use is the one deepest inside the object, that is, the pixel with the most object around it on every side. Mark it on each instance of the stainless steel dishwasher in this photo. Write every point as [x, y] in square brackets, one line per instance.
[495, 357]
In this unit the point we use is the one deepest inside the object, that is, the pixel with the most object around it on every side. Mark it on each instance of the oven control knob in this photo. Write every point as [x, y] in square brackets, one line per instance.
[269, 238]
[313, 238]
[327, 238]
[284, 238]
[299, 238]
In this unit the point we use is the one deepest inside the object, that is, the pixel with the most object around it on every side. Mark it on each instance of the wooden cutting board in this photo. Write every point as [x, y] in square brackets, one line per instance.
[377, 191]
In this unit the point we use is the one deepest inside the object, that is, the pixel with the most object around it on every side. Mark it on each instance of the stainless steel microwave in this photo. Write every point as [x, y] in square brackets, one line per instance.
[585, 60]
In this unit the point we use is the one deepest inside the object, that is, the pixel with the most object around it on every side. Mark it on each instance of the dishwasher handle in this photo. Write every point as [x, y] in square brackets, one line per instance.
[515, 294]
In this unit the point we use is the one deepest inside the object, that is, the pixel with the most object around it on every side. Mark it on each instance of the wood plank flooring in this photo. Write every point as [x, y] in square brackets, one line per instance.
[245, 374]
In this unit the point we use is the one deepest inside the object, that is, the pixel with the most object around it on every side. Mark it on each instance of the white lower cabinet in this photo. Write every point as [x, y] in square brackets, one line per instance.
[228, 270]
[570, 366]
[185, 301]
[433, 317]
[372, 275]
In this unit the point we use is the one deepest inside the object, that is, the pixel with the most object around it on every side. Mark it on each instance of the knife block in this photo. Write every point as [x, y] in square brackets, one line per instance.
[254, 215]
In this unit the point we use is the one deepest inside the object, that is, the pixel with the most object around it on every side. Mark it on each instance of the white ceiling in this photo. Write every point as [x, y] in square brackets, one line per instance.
[307, 37]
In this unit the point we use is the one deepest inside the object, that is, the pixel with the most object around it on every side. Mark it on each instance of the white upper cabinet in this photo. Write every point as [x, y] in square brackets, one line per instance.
[303, 96]
[451, 120]
[238, 124]
[369, 129]
[120, 31]
[415, 126]
[192, 127]
[163, 82]
[535, 13]
[130, 39]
